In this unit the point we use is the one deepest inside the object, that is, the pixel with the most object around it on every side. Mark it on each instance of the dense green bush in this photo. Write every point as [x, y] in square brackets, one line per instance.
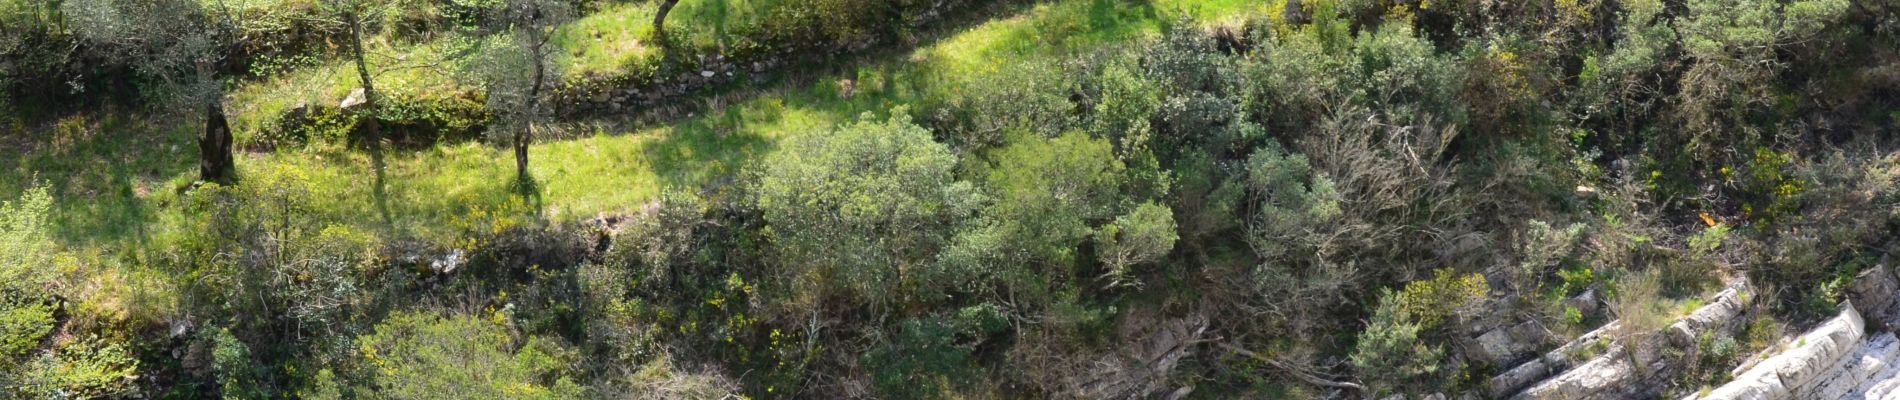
[27, 273]
[931, 357]
[1395, 352]
[856, 211]
[87, 367]
[977, 113]
[426, 355]
[1143, 235]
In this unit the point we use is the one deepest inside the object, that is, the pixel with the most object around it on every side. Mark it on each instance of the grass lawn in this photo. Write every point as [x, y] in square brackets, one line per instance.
[124, 192]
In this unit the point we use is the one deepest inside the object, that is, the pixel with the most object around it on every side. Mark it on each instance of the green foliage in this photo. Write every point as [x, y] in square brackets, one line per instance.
[89, 367]
[657, 242]
[424, 355]
[1142, 236]
[1636, 300]
[1051, 190]
[1127, 105]
[1394, 353]
[931, 357]
[519, 69]
[27, 272]
[858, 208]
[1847, 203]
[1290, 198]
[165, 41]
[1769, 192]
[1543, 247]
[979, 112]
[266, 255]
[1728, 95]
[238, 375]
[1080, 140]
[1048, 195]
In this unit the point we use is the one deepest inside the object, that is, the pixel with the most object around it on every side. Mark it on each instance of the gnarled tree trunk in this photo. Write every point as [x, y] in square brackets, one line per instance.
[659, 18]
[214, 146]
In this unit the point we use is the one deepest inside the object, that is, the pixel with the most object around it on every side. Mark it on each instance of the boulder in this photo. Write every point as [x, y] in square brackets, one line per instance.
[1587, 303]
[356, 98]
[1720, 313]
[1875, 292]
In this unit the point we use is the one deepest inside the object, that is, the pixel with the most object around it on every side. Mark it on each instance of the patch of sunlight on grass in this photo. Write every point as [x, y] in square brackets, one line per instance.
[420, 192]
[609, 41]
[1216, 11]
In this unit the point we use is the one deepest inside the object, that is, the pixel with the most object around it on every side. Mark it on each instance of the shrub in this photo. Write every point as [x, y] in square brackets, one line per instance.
[237, 374]
[926, 360]
[1292, 207]
[977, 112]
[1728, 97]
[1048, 195]
[657, 241]
[1052, 190]
[857, 208]
[1541, 248]
[88, 367]
[661, 379]
[1848, 204]
[267, 259]
[1394, 353]
[1636, 300]
[27, 275]
[425, 355]
[1142, 236]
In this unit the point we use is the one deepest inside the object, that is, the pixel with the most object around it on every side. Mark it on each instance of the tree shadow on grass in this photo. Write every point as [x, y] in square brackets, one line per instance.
[529, 189]
[380, 189]
[102, 170]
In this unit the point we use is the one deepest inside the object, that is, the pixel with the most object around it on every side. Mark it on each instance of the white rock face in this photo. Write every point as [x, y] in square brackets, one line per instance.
[1834, 361]
[1854, 356]
[1871, 358]
[1621, 374]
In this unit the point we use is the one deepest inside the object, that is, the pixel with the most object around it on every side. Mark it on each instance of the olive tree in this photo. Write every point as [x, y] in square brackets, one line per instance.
[659, 17]
[519, 68]
[177, 44]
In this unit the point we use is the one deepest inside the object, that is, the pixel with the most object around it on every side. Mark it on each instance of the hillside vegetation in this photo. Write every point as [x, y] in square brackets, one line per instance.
[1179, 199]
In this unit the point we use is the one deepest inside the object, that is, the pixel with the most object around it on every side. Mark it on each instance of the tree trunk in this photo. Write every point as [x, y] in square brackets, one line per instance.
[372, 130]
[659, 18]
[521, 151]
[214, 147]
[526, 135]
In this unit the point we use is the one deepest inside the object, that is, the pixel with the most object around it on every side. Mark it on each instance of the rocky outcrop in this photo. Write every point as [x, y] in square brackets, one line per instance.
[1854, 355]
[1874, 292]
[1856, 373]
[1795, 372]
[1632, 370]
[1562, 359]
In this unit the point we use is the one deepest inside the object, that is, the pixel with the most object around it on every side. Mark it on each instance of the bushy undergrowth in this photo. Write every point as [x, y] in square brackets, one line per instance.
[1317, 202]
